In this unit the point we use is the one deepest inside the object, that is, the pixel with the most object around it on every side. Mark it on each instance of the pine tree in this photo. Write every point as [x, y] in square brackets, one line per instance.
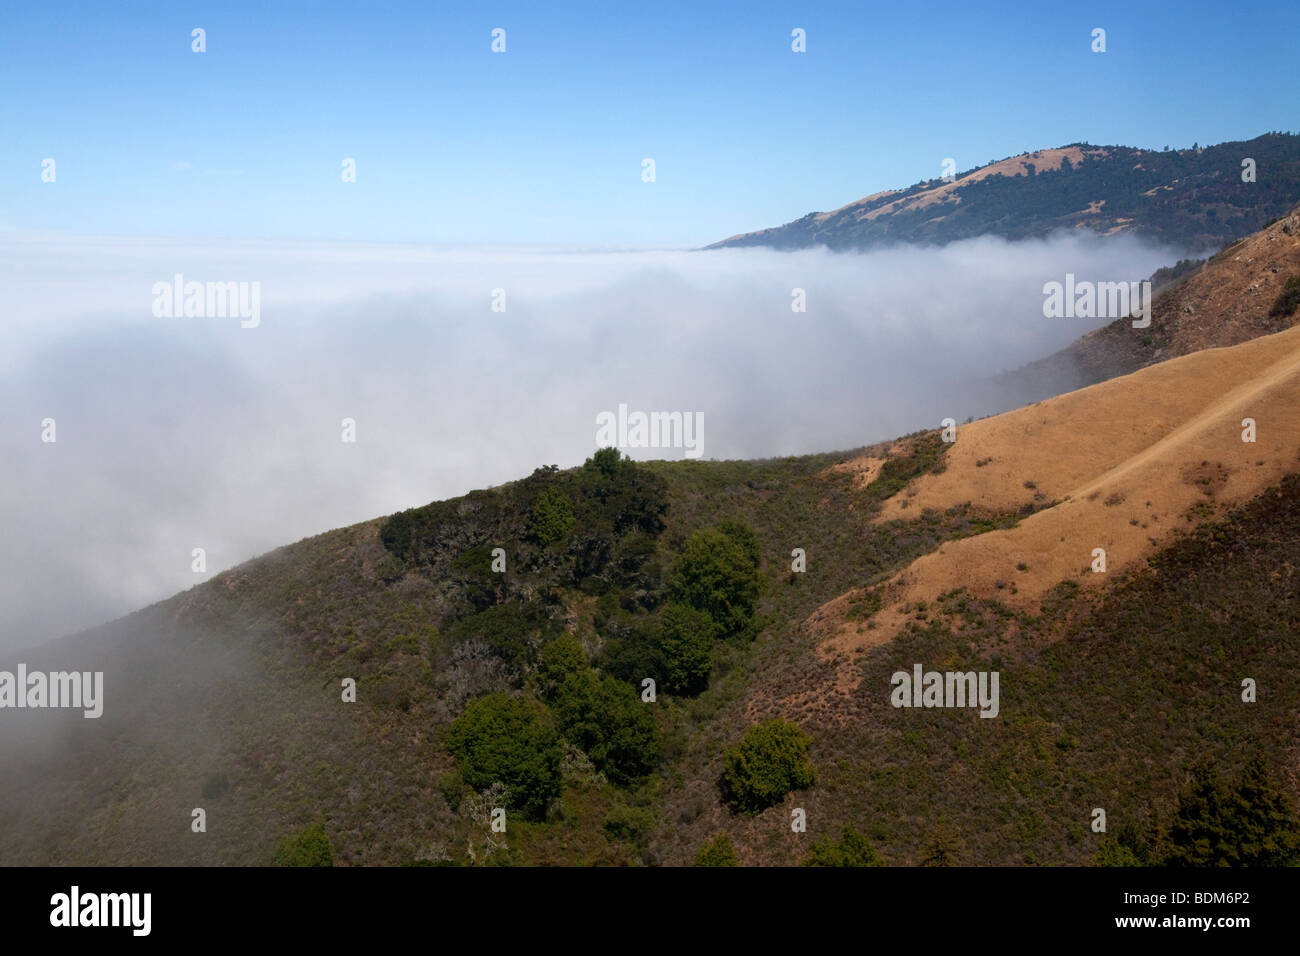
[943, 847]
[1249, 822]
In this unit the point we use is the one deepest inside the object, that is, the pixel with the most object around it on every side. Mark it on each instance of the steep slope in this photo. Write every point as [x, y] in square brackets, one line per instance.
[974, 554]
[1227, 300]
[1192, 198]
[1110, 698]
[227, 697]
[1122, 466]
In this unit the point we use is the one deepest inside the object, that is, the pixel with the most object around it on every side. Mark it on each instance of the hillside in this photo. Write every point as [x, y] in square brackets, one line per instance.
[499, 643]
[1166, 455]
[1235, 296]
[1188, 198]
[227, 696]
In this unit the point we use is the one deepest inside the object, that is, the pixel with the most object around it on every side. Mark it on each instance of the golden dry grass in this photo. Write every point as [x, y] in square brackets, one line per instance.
[1126, 461]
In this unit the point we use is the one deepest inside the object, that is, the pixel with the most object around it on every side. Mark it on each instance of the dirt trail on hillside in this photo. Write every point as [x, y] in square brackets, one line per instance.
[1274, 375]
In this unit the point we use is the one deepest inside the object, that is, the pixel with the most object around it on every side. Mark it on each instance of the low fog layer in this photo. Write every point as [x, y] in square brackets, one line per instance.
[183, 433]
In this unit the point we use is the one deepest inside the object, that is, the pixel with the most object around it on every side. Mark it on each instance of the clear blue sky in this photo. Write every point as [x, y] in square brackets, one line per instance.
[543, 144]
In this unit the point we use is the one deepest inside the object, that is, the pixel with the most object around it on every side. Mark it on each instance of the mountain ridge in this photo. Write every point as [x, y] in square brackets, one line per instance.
[1194, 199]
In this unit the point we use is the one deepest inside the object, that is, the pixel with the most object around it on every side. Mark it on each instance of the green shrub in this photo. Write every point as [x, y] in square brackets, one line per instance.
[607, 462]
[715, 573]
[717, 852]
[560, 658]
[943, 846]
[512, 740]
[552, 517]
[308, 847]
[852, 849]
[513, 631]
[472, 571]
[1288, 300]
[770, 762]
[685, 649]
[744, 536]
[606, 718]
[618, 495]
[1115, 853]
[452, 788]
[633, 825]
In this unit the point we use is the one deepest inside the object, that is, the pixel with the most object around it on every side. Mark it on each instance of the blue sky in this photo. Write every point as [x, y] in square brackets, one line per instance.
[543, 144]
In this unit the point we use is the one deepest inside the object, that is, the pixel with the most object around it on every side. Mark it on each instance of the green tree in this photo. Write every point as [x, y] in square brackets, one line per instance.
[560, 658]
[607, 461]
[616, 495]
[943, 847]
[512, 740]
[771, 761]
[715, 573]
[717, 852]
[744, 536]
[309, 847]
[552, 517]
[852, 849]
[1248, 821]
[606, 718]
[685, 649]
[1114, 853]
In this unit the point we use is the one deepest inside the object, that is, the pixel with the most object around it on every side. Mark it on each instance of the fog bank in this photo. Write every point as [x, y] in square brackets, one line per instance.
[181, 433]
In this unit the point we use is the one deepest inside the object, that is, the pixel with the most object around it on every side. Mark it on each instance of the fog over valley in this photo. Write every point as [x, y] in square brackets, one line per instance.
[177, 433]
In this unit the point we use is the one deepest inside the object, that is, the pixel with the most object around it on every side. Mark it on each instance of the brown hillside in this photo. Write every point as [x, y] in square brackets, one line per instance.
[1122, 465]
[1225, 303]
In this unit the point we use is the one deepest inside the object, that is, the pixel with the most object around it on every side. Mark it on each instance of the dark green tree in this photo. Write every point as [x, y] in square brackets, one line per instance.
[552, 518]
[770, 762]
[1131, 845]
[1115, 853]
[512, 740]
[606, 718]
[943, 846]
[559, 659]
[608, 462]
[744, 536]
[685, 649]
[1246, 821]
[1288, 300]
[716, 574]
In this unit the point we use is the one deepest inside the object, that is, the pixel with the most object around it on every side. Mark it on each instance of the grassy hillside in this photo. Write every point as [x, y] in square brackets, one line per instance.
[227, 697]
[499, 644]
[1108, 700]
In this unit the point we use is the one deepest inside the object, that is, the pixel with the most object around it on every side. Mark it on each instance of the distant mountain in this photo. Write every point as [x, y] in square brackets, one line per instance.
[1191, 198]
